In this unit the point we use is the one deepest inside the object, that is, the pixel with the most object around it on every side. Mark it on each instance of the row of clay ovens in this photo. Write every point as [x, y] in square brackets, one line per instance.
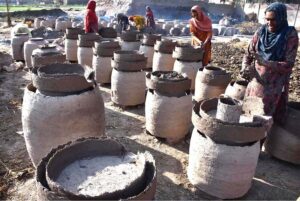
[222, 145]
[64, 103]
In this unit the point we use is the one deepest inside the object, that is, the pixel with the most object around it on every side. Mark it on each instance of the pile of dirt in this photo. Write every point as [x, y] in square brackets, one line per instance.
[248, 28]
[295, 79]
[230, 56]
[35, 13]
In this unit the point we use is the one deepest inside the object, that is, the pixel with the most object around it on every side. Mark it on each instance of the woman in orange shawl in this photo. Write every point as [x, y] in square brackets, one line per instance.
[201, 31]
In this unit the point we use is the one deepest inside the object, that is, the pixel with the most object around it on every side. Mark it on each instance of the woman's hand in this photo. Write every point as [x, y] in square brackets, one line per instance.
[260, 60]
[247, 72]
[202, 45]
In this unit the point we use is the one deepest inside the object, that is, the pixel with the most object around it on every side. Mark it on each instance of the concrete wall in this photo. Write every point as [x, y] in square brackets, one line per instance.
[168, 9]
[220, 9]
[180, 9]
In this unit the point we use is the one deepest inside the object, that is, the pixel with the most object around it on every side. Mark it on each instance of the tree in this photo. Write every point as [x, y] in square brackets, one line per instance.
[8, 13]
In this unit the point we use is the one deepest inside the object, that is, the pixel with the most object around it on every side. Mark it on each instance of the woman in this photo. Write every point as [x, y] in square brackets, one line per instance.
[150, 18]
[201, 30]
[138, 20]
[123, 21]
[274, 47]
[91, 19]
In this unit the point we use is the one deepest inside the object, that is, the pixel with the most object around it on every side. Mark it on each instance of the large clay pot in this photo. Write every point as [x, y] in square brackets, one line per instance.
[49, 121]
[186, 52]
[48, 188]
[175, 31]
[130, 40]
[29, 46]
[48, 23]
[210, 82]
[61, 24]
[17, 46]
[148, 52]
[85, 48]
[103, 54]
[133, 61]
[162, 59]
[204, 120]
[71, 50]
[236, 89]
[102, 68]
[47, 55]
[48, 114]
[37, 22]
[150, 39]
[188, 69]
[283, 142]
[72, 33]
[168, 106]
[134, 45]
[147, 47]
[162, 62]
[229, 110]
[108, 32]
[221, 170]
[62, 79]
[106, 48]
[128, 88]
[85, 56]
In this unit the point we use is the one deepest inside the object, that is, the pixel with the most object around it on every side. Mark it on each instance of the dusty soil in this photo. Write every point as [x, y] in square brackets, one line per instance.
[229, 56]
[274, 179]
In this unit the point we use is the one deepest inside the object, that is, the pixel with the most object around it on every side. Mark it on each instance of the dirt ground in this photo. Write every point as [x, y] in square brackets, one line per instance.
[274, 179]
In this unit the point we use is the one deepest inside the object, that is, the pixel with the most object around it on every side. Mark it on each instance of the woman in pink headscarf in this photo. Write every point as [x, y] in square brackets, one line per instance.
[91, 19]
[201, 30]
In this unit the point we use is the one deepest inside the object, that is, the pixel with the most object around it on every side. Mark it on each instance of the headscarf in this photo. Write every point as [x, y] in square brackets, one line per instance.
[91, 19]
[272, 46]
[149, 12]
[131, 18]
[202, 23]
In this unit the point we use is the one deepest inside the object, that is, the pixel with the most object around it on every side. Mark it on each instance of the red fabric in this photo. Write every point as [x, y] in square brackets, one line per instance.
[202, 23]
[149, 12]
[91, 19]
[150, 17]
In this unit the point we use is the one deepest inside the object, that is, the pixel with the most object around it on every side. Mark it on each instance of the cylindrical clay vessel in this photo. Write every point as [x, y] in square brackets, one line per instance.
[221, 170]
[110, 172]
[128, 80]
[168, 105]
[210, 82]
[162, 58]
[103, 53]
[283, 142]
[17, 45]
[48, 115]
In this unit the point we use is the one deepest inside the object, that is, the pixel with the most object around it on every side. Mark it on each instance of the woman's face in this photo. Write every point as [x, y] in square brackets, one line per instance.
[271, 21]
[194, 14]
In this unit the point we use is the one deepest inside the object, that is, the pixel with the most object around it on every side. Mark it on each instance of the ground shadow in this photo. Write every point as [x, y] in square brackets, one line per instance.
[262, 190]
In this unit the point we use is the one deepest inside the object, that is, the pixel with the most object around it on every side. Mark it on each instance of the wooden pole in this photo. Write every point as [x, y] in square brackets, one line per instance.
[296, 15]
[258, 12]
[8, 14]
